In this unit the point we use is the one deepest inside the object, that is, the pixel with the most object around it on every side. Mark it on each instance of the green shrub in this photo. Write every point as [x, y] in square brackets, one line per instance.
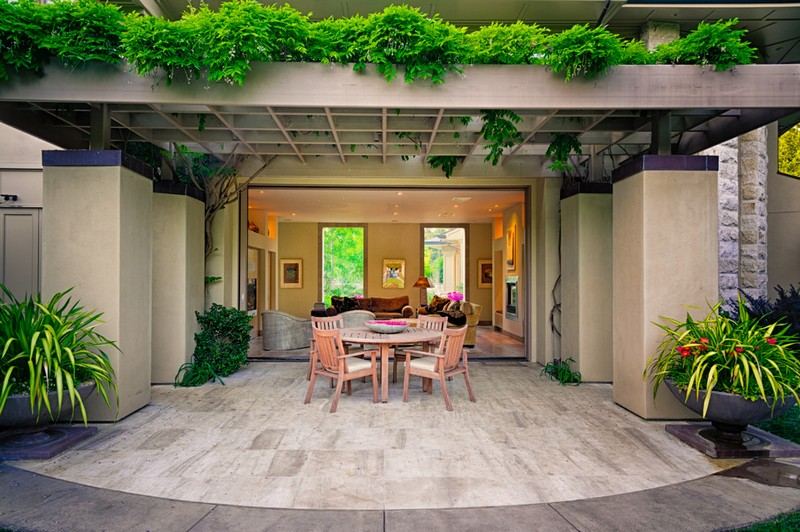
[585, 52]
[427, 47]
[507, 44]
[153, 43]
[220, 347]
[560, 370]
[717, 43]
[48, 346]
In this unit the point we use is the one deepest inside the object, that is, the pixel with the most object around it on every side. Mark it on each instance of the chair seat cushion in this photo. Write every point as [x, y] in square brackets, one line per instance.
[425, 363]
[357, 364]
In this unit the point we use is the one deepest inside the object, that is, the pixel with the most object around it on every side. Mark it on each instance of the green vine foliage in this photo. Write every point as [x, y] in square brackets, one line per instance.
[719, 44]
[585, 52]
[447, 163]
[561, 147]
[500, 130]
[427, 47]
[222, 45]
[507, 44]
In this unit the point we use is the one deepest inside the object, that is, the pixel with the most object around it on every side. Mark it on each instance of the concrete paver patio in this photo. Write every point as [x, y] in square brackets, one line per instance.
[254, 443]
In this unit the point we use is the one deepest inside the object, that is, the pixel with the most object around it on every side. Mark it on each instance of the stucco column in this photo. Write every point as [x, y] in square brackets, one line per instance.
[753, 170]
[665, 258]
[178, 276]
[97, 239]
[586, 280]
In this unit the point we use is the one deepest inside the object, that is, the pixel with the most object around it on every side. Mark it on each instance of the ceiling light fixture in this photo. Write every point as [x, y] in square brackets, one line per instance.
[399, 193]
[294, 214]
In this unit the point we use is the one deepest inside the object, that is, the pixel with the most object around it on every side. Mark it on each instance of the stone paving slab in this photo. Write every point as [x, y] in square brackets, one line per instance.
[752, 492]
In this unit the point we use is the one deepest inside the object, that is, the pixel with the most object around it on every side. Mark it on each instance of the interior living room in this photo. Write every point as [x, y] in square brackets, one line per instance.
[391, 254]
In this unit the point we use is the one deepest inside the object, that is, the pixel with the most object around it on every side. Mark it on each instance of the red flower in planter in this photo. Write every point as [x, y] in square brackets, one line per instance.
[739, 349]
[684, 351]
[704, 340]
[772, 341]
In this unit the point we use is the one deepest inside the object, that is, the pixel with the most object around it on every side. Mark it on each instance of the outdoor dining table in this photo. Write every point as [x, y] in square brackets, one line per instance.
[384, 341]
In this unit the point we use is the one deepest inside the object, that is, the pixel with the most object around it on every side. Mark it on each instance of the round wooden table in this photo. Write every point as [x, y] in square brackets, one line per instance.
[412, 335]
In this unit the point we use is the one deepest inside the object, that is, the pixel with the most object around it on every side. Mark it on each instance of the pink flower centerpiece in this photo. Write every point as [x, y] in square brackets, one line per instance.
[455, 296]
[387, 326]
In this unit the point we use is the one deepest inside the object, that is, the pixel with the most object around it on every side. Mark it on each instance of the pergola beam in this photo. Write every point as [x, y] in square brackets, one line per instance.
[229, 124]
[189, 134]
[384, 140]
[524, 88]
[435, 131]
[542, 121]
[335, 134]
[285, 133]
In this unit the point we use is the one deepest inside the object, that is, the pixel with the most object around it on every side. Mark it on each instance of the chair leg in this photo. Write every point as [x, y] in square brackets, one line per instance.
[445, 394]
[394, 369]
[469, 387]
[349, 387]
[336, 395]
[311, 383]
[406, 379]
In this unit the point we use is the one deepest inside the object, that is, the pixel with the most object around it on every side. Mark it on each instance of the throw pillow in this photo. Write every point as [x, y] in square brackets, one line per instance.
[437, 304]
[454, 317]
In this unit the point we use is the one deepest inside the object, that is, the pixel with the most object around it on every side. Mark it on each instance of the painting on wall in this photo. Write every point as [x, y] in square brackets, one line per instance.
[291, 273]
[394, 273]
[511, 247]
[484, 273]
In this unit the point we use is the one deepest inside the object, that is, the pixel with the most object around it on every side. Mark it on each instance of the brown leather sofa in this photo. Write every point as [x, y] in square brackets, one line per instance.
[384, 308]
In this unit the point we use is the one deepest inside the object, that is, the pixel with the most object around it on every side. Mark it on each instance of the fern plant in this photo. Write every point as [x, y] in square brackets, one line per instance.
[447, 163]
[585, 52]
[561, 147]
[500, 129]
[718, 43]
[559, 369]
[507, 44]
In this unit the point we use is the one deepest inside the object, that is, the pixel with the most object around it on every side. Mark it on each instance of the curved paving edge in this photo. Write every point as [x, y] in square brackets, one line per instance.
[751, 492]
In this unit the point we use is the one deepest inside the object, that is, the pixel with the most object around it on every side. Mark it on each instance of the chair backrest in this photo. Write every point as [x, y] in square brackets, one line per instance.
[327, 324]
[452, 347]
[356, 318]
[432, 322]
[329, 346]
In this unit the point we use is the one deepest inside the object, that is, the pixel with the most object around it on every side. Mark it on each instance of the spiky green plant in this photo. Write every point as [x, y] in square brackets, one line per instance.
[52, 346]
[740, 355]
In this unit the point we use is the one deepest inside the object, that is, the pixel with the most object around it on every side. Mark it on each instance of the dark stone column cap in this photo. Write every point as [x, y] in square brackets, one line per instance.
[679, 163]
[95, 158]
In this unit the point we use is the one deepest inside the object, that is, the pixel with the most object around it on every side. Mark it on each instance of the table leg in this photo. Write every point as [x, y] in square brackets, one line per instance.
[385, 372]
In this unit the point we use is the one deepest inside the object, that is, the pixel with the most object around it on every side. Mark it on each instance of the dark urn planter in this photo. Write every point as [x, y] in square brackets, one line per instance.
[17, 412]
[729, 413]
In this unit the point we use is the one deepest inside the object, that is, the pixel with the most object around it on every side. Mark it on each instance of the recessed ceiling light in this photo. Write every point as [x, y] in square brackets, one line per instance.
[395, 213]
[455, 205]
[490, 210]
[399, 193]
[294, 214]
[496, 206]
[396, 206]
[260, 191]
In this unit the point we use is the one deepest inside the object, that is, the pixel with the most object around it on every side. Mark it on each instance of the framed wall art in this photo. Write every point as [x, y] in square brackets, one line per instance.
[394, 273]
[291, 271]
[484, 273]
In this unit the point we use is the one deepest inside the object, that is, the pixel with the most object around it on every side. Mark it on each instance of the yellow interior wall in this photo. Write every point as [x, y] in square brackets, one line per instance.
[384, 241]
[480, 247]
[515, 216]
[299, 241]
[393, 241]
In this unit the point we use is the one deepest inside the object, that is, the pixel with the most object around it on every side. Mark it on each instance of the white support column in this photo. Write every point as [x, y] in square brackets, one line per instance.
[178, 277]
[97, 239]
[665, 260]
[546, 213]
[586, 281]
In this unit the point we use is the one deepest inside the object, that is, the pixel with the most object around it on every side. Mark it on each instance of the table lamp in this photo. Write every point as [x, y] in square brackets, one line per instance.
[423, 284]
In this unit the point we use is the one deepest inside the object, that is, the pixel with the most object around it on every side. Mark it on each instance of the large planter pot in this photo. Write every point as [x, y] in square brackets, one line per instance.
[730, 413]
[17, 412]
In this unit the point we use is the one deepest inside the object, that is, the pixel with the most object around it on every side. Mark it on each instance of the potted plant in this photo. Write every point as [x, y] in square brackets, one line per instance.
[732, 371]
[51, 359]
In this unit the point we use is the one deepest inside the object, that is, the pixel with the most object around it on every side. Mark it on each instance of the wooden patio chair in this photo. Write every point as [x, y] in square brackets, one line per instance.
[330, 360]
[425, 321]
[448, 360]
[323, 324]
